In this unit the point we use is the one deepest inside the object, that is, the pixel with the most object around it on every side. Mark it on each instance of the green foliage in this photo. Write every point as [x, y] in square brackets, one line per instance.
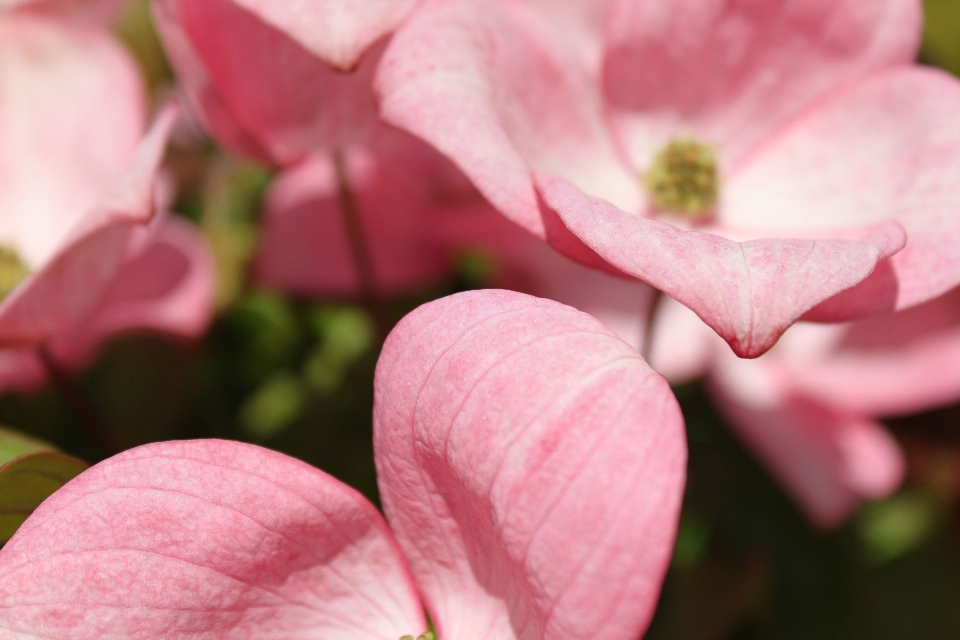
[30, 471]
[941, 34]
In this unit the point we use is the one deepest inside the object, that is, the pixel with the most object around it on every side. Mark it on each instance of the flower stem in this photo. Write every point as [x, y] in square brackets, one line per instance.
[656, 301]
[82, 409]
[350, 212]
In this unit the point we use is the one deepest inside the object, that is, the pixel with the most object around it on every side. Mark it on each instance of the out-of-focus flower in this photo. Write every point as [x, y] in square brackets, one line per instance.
[82, 253]
[277, 80]
[398, 192]
[711, 128]
[810, 406]
[291, 87]
[531, 468]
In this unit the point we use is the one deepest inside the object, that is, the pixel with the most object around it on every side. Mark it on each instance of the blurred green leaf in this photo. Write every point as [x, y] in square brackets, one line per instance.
[274, 406]
[897, 525]
[693, 539]
[135, 28]
[941, 34]
[28, 480]
[270, 334]
[345, 333]
[231, 202]
[14, 444]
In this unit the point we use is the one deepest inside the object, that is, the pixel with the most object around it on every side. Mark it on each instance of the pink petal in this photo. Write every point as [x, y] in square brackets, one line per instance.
[64, 289]
[72, 111]
[681, 346]
[206, 539]
[166, 288]
[102, 12]
[889, 364]
[337, 31]
[494, 87]
[735, 72]
[21, 369]
[259, 90]
[887, 148]
[748, 292]
[531, 465]
[305, 247]
[829, 461]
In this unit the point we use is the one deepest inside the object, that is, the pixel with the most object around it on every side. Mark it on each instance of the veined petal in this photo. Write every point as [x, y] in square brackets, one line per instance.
[735, 72]
[748, 292]
[886, 148]
[205, 539]
[531, 465]
[494, 87]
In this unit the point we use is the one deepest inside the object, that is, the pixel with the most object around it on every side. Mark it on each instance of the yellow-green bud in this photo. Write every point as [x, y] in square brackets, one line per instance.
[684, 178]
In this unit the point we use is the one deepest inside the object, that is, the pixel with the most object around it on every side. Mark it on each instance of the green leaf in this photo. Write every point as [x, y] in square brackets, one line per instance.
[941, 34]
[897, 525]
[14, 444]
[28, 480]
[273, 407]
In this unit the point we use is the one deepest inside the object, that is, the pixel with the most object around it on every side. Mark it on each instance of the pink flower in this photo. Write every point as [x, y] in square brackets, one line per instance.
[276, 80]
[82, 253]
[401, 190]
[810, 406]
[531, 469]
[708, 128]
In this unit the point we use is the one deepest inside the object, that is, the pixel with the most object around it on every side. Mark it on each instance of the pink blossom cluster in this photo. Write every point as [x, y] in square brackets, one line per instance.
[712, 172]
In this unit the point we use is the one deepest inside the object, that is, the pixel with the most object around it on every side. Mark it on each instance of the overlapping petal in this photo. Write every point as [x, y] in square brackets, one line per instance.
[734, 73]
[205, 539]
[70, 282]
[305, 244]
[528, 505]
[257, 88]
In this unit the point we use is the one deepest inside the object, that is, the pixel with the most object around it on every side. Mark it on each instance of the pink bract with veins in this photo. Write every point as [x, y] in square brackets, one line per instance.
[837, 161]
[810, 407]
[520, 503]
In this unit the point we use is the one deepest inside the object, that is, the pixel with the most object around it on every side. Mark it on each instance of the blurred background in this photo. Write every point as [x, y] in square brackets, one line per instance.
[296, 375]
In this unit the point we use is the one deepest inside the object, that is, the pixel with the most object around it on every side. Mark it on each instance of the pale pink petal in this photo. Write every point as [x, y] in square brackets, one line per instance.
[72, 111]
[205, 539]
[337, 31]
[828, 461]
[681, 345]
[494, 87]
[748, 292]
[733, 73]
[889, 364]
[887, 148]
[101, 12]
[305, 247]
[167, 288]
[531, 466]
[64, 289]
[261, 89]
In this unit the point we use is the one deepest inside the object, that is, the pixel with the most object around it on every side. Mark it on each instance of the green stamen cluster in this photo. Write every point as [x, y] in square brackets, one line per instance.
[684, 178]
[12, 270]
[426, 635]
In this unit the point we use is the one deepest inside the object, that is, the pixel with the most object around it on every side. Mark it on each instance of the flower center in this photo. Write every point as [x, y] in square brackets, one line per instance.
[426, 635]
[683, 178]
[12, 270]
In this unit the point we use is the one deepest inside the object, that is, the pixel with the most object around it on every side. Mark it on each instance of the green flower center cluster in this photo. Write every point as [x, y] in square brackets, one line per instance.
[12, 270]
[426, 635]
[684, 178]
